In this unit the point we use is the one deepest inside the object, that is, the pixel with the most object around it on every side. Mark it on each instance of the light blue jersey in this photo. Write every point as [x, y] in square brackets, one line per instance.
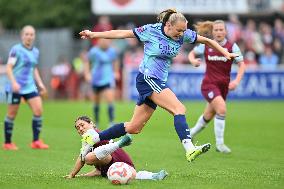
[23, 70]
[159, 49]
[102, 65]
[200, 49]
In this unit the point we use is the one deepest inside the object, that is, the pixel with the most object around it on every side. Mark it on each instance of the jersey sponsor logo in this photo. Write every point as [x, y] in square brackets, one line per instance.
[217, 58]
[168, 50]
[211, 94]
[141, 29]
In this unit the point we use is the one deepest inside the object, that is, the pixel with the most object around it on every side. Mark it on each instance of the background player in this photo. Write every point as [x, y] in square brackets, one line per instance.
[216, 82]
[22, 74]
[162, 42]
[104, 65]
[105, 154]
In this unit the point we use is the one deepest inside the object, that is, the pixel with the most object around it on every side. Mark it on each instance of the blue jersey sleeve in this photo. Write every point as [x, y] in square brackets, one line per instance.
[189, 36]
[13, 52]
[237, 50]
[142, 32]
[199, 49]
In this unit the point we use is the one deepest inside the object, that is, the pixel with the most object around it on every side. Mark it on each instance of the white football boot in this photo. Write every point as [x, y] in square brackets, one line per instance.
[223, 148]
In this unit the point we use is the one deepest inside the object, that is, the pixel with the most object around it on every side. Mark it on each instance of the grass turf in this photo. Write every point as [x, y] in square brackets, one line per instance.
[254, 132]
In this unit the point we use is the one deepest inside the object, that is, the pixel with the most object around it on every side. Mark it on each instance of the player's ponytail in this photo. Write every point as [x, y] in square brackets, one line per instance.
[204, 28]
[170, 15]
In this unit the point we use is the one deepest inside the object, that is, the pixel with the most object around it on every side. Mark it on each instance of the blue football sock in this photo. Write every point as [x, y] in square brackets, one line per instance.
[111, 113]
[113, 132]
[96, 113]
[8, 129]
[181, 127]
[36, 125]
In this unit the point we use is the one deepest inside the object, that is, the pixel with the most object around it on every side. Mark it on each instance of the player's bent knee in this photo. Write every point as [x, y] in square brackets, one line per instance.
[12, 115]
[221, 111]
[38, 113]
[90, 159]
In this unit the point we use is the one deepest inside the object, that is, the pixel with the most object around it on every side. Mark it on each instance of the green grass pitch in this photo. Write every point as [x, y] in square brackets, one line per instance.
[254, 132]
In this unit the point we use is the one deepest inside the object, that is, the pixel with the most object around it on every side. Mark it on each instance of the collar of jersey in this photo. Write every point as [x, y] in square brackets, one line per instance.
[222, 43]
[163, 31]
[30, 49]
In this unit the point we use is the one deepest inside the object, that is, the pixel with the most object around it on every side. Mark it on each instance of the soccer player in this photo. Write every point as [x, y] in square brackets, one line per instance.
[162, 42]
[103, 62]
[24, 82]
[216, 82]
[105, 153]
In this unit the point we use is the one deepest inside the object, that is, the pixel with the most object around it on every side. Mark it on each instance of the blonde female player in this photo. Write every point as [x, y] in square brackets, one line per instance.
[216, 82]
[24, 82]
[162, 42]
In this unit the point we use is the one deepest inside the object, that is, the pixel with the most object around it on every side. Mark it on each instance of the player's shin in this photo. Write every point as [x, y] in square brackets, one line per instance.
[96, 110]
[111, 113]
[183, 132]
[113, 132]
[103, 151]
[219, 128]
[8, 129]
[199, 126]
[36, 125]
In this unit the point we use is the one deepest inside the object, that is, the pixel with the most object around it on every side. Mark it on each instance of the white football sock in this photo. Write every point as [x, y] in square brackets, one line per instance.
[187, 144]
[200, 125]
[103, 151]
[219, 128]
[143, 175]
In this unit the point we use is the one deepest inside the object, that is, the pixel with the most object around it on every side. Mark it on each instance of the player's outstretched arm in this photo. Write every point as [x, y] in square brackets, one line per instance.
[78, 166]
[93, 173]
[112, 34]
[215, 45]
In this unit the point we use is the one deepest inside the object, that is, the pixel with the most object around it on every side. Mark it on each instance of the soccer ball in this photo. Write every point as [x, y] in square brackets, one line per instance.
[120, 173]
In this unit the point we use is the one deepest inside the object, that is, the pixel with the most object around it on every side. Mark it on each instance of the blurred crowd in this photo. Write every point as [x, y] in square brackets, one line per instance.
[262, 45]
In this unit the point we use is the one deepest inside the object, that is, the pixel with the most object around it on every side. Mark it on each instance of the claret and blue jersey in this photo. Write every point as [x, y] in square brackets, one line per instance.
[159, 49]
[23, 69]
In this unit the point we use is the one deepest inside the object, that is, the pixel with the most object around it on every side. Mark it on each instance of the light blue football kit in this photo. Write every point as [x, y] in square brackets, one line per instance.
[159, 50]
[102, 66]
[23, 71]
[101, 61]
